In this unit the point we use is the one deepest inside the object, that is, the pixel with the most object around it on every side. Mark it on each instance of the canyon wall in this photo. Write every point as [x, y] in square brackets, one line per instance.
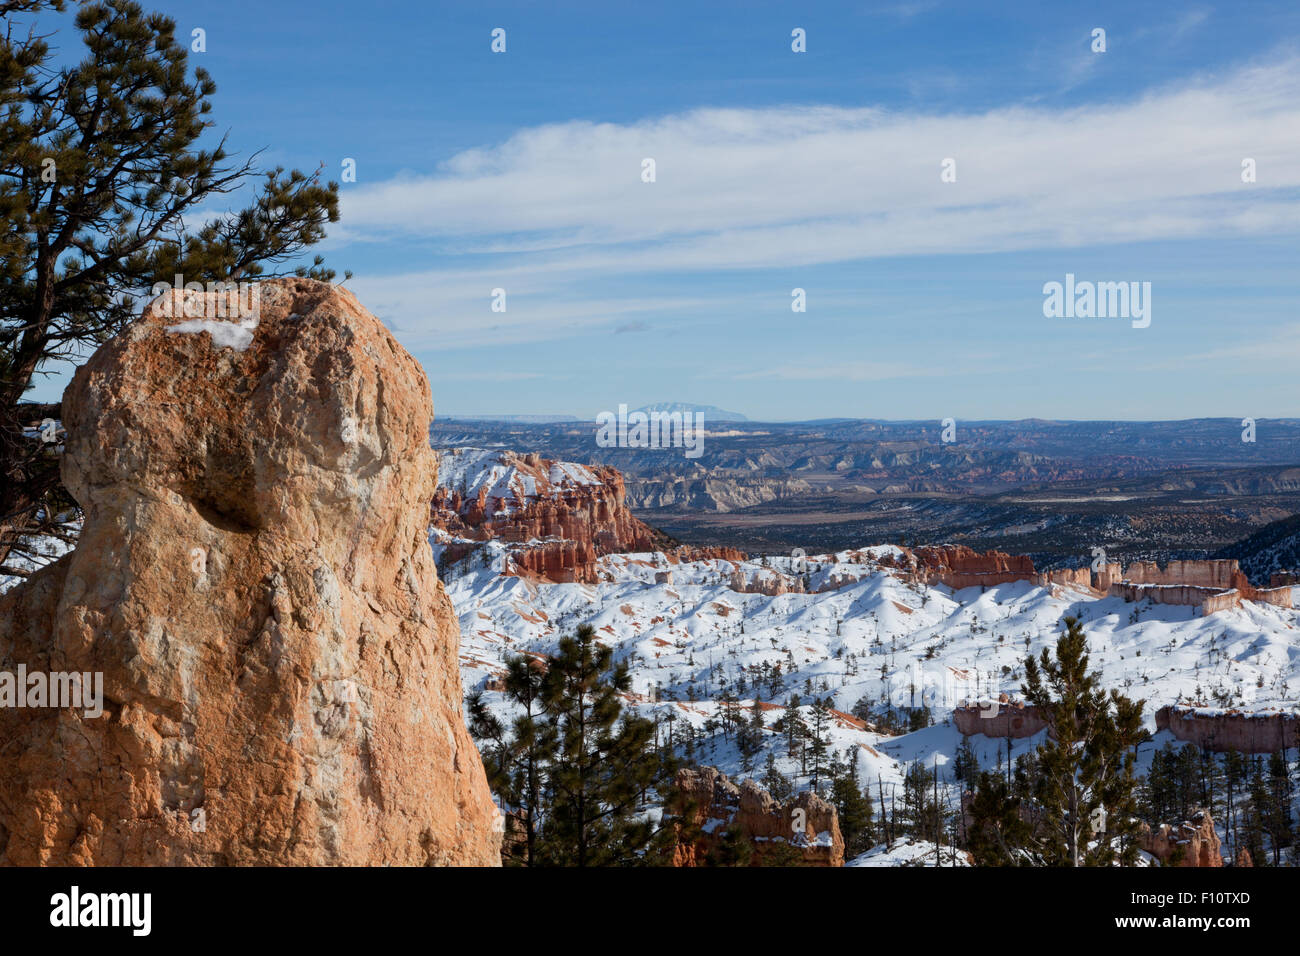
[255, 586]
[559, 518]
[1259, 732]
[957, 566]
[1217, 573]
[1210, 585]
[1006, 719]
[1213, 585]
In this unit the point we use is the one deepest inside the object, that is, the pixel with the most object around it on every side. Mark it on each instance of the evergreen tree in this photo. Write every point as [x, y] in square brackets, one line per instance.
[775, 782]
[604, 761]
[817, 740]
[998, 832]
[1077, 798]
[854, 810]
[1086, 763]
[732, 848]
[1276, 812]
[1235, 774]
[919, 808]
[1254, 824]
[796, 732]
[966, 765]
[100, 167]
[1188, 780]
[516, 761]
[1160, 793]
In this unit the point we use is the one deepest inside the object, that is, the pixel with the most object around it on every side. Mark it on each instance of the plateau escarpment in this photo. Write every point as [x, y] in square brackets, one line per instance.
[555, 519]
[1154, 490]
[255, 585]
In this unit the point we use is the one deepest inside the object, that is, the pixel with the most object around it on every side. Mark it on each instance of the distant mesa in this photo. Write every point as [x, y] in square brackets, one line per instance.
[513, 419]
[712, 413]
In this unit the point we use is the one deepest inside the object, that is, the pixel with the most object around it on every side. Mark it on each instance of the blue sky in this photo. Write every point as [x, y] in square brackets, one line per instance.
[816, 170]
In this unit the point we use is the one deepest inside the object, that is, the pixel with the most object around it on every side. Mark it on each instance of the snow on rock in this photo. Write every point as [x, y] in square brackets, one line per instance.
[233, 335]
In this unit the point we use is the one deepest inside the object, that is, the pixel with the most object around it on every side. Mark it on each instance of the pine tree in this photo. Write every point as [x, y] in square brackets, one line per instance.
[817, 741]
[1255, 816]
[775, 782]
[998, 832]
[604, 761]
[919, 807]
[100, 166]
[1235, 773]
[1188, 780]
[1086, 763]
[1277, 814]
[854, 810]
[1160, 796]
[966, 765]
[796, 730]
[732, 848]
[516, 761]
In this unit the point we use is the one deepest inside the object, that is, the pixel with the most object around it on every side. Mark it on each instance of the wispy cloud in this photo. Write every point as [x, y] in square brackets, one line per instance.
[557, 206]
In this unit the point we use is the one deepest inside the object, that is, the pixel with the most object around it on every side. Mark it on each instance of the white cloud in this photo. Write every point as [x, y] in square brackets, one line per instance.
[559, 205]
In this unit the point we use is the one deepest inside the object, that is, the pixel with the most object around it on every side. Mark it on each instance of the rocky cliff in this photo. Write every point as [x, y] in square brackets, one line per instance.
[255, 585]
[1002, 719]
[1220, 730]
[1193, 843]
[557, 517]
[805, 827]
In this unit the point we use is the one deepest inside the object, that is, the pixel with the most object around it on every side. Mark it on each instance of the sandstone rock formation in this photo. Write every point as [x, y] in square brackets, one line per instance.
[1213, 584]
[1220, 730]
[255, 584]
[805, 823]
[1194, 843]
[958, 566]
[560, 517]
[1001, 719]
[688, 552]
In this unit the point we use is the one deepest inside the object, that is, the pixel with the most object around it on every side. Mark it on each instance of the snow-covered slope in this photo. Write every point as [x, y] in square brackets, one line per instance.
[691, 639]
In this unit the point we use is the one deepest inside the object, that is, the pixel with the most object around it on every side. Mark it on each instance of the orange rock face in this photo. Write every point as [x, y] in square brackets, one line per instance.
[254, 583]
[1194, 843]
[1213, 584]
[807, 822]
[560, 526]
[691, 553]
[1003, 719]
[957, 566]
[1219, 731]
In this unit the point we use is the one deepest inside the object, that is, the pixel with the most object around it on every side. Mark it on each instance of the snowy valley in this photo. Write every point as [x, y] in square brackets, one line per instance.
[708, 638]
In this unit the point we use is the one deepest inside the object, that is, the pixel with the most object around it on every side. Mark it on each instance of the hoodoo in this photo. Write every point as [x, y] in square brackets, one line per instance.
[255, 584]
